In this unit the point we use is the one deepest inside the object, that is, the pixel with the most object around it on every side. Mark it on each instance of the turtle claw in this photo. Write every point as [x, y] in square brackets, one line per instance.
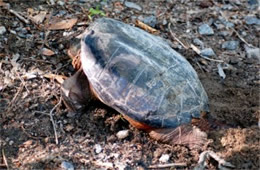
[184, 135]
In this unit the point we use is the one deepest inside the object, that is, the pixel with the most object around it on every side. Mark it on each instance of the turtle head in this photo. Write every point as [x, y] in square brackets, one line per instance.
[75, 92]
[74, 53]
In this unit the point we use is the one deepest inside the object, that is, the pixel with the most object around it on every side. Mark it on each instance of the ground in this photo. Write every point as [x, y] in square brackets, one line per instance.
[30, 87]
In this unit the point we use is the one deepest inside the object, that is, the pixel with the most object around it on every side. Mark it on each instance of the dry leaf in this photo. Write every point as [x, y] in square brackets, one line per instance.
[146, 27]
[47, 52]
[64, 24]
[38, 19]
[60, 78]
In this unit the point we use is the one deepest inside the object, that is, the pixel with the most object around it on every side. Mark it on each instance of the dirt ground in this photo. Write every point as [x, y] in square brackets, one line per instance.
[30, 87]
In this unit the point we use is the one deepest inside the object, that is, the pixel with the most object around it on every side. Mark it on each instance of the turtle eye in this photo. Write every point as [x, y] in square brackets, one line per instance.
[92, 32]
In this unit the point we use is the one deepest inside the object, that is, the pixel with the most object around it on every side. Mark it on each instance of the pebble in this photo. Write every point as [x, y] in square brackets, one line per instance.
[11, 142]
[253, 2]
[2, 30]
[251, 20]
[164, 22]
[253, 53]
[150, 20]
[98, 148]
[224, 33]
[230, 45]
[207, 52]
[66, 165]
[164, 158]
[205, 29]
[133, 5]
[227, 7]
[122, 134]
[61, 3]
[233, 60]
[198, 42]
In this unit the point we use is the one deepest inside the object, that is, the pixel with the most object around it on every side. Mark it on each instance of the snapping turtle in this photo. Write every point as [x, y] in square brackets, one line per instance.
[143, 78]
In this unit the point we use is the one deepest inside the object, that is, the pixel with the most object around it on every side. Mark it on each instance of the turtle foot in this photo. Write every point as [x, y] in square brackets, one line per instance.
[184, 135]
[75, 92]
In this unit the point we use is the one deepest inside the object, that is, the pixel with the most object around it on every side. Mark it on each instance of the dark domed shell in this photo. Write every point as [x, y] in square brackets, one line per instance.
[140, 75]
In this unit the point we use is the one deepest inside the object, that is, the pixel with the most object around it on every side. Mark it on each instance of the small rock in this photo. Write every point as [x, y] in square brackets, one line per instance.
[122, 134]
[253, 2]
[98, 148]
[150, 20]
[61, 3]
[227, 7]
[221, 71]
[2, 30]
[224, 33]
[205, 29]
[66, 165]
[207, 52]
[230, 45]
[228, 24]
[198, 42]
[233, 60]
[251, 20]
[164, 22]
[206, 4]
[11, 142]
[133, 5]
[164, 158]
[253, 53]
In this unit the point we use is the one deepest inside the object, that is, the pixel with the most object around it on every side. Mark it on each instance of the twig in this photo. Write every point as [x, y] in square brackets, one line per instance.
[222, 164]
[18, 16]
[4, 159]
[174, 37]
[15, 97]
[233, 29]
[53, 123]
[197, 51]
[167, 165]
[35, 60]
[241, 38]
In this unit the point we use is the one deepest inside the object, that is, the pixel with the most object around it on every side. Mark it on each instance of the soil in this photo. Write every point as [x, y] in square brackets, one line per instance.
[88, 141]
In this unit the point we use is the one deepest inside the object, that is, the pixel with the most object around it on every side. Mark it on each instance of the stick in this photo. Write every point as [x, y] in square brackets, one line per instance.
[205, 155]
[19, 16]
[233, 29]
[174, 37]
[4, 159]
[197, 51]
[52, 121]
[167, 165]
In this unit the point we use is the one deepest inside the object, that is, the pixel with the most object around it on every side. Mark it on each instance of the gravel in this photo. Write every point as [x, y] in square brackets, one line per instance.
[2, 30]
[205, 29]
[207, 52]
[230, 45]
[133, 5]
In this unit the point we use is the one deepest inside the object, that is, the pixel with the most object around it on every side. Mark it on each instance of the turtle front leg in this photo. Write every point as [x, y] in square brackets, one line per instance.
[75, 92]
[184, 135]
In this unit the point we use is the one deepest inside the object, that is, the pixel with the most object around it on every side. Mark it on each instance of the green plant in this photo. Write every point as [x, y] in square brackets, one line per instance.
[96, 11]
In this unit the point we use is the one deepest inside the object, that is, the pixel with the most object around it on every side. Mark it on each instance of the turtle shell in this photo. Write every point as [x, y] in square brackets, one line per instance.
[140, 75]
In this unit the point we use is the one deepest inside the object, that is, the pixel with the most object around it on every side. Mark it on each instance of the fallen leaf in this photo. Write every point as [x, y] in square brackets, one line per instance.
[63, 24]
[146, 27]
[38, 19]
[47, 52]
[60, 78]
